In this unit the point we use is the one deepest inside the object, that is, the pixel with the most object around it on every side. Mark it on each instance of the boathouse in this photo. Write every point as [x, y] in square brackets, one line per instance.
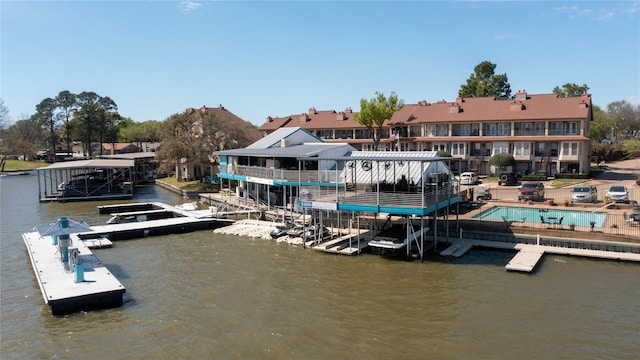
[294, 170]
[86, 180]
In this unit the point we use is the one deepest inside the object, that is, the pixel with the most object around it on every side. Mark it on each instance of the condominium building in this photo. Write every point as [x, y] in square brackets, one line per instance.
[545, 133]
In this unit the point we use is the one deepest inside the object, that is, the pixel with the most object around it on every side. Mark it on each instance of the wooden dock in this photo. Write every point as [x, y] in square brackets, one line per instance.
[60, 290]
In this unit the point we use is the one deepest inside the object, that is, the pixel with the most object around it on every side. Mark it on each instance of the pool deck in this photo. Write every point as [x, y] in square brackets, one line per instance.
[610, 231]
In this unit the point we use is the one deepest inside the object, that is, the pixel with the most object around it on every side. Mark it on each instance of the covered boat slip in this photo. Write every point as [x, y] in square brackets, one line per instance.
[86, 180]
[410, 185]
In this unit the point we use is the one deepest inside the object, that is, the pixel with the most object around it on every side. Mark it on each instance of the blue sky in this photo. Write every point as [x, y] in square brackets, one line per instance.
[267, 58]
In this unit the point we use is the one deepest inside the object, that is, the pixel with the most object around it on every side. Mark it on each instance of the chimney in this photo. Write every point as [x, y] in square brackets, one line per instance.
[269, 119]
[341, 116]
[348, 110]
[304, 117]
[423, 103]
[517, 106]
[454, 108]
[312, 111]
[521, 95]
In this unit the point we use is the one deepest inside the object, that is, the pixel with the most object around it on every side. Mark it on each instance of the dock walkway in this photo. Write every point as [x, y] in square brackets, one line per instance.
[98, 289]
[529, 255]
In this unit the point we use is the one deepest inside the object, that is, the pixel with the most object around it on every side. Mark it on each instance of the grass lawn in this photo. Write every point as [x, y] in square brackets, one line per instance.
[195, 185]
[20, 165]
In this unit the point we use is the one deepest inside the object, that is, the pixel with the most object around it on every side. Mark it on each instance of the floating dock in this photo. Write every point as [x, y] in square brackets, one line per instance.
[63, 288]
[529, 255]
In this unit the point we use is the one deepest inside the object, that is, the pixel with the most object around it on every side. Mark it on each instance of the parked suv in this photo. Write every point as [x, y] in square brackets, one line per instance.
[584, 193]
[507, 179]
[618, 194]
[531, 191]
[468, 178]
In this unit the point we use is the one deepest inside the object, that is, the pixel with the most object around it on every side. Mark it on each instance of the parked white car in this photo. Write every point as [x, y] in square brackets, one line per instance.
[468, 178]
[618, 194]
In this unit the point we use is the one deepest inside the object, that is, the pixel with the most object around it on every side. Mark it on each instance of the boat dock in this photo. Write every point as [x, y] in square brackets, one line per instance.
[529, 255]
[345, 245]
[153, 219]
[64, 287]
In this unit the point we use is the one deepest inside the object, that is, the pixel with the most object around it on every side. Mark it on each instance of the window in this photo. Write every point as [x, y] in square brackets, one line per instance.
[431, 130]
[490, 130]
[504, 129]
[555, 128]
[538, 128]
[570, 148]
[571, 128]
[442, 130]
[522, 148]
[439, 147]
[416, 131]
[501, 148]
[475, 129]
[525, 129]
[325, 134]
[457, 149]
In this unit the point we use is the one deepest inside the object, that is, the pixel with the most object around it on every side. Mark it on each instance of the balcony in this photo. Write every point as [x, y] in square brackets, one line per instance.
[386, 201]
[286, 175]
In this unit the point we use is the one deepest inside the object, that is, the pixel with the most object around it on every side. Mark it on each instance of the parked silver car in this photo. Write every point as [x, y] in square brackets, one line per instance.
[584, 193]
[618, 194]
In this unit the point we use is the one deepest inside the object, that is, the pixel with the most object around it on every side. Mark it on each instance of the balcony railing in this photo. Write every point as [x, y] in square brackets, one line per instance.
[285, 175]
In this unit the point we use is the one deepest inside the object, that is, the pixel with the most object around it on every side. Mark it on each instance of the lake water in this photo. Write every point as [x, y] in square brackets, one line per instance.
[202, 295]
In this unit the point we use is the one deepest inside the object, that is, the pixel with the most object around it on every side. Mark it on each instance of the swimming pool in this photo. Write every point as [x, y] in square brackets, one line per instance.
[535, 215]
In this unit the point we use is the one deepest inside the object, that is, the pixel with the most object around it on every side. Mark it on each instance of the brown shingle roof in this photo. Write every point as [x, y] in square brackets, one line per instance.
[523, 107]
[535, 107]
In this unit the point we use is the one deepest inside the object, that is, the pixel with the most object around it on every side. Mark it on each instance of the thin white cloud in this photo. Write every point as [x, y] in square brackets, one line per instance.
[506, 36]
[187, 6]
[602, 14]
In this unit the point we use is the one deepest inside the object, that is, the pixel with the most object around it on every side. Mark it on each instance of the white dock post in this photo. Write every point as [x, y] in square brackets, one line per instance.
[538, 240]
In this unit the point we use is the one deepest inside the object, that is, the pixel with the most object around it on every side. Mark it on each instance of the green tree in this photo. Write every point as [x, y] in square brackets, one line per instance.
[96, 116]
[23, 138]
[502, 160]
[67, 104]
[484, 82]
[178, 137]
[625, 119]
[4, 123]
[375, 111]
[570, 89]
[46, 116]
[632, 147]
[4, 117]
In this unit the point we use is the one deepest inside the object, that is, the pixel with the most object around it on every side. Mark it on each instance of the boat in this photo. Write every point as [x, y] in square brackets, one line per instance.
[121, 219]
[190, 206]
[281, 230]
[311, 231]
[296, 231]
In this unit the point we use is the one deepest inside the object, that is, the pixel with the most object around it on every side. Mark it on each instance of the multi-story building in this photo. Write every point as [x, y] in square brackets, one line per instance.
[545, 133]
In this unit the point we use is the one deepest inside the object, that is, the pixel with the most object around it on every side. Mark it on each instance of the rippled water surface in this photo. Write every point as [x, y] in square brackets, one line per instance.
[203, 295]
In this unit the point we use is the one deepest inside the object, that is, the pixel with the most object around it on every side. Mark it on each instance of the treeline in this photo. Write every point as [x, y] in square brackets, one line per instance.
[68, 118]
